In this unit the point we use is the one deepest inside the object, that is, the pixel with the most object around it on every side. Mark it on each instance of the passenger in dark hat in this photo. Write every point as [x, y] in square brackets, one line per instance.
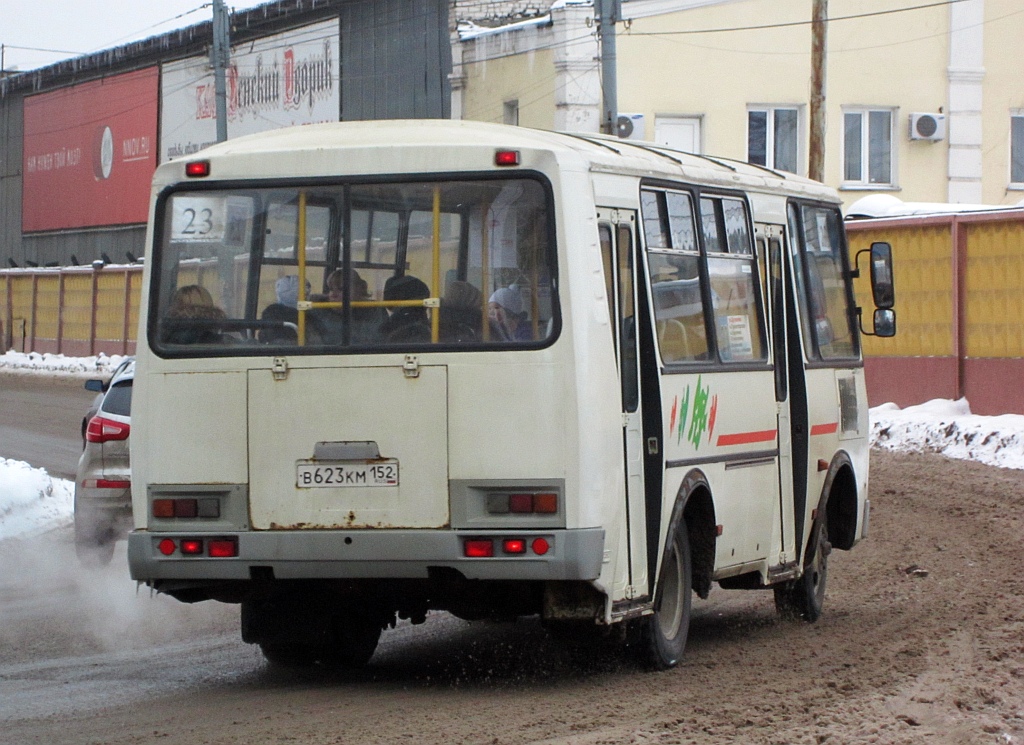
[406, 324]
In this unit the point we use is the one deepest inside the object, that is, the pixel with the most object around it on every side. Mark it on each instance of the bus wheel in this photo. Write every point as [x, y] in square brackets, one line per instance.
[289, 655]
[357, 637]
[663, 634]
[804, 598]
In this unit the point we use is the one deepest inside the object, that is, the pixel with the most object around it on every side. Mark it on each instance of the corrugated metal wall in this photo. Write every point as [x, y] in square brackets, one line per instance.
[11, 122]
[924, 283]
[995, 289]
[395, 59]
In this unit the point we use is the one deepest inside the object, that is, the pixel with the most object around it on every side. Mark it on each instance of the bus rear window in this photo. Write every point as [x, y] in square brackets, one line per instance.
[354, 267]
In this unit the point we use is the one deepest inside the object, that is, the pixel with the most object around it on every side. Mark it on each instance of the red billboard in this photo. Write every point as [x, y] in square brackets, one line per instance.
[90, 151]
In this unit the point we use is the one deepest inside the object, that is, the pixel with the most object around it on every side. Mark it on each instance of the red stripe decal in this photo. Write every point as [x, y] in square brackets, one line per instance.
[746, 438]
[824, 429]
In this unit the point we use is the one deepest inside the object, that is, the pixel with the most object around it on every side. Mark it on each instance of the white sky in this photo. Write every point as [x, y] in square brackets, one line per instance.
[32, 502]
[78, 27]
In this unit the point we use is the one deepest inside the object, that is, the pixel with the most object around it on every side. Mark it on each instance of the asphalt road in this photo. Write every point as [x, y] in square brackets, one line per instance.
[41, 420]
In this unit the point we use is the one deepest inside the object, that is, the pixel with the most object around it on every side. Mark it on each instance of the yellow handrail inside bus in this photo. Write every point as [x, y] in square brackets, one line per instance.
[300, 240]
[435, 316]
[485, 278]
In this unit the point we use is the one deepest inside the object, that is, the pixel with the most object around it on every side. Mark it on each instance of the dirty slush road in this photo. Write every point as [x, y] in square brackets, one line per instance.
[922, 641]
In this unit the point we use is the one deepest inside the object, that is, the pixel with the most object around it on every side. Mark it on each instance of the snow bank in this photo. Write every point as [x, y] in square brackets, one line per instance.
[948, 427]
[59, 364]
[31, 502]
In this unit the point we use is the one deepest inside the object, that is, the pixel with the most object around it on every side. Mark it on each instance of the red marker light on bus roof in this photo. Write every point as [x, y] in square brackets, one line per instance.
[506, 158]
[197, 168]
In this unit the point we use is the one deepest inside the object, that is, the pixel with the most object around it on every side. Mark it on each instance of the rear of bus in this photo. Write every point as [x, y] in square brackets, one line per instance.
[352, 391]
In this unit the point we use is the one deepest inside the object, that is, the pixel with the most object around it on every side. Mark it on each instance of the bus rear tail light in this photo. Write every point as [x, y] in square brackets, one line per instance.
[484, 548]
[101, 429]
[215, 548]
[223, 548]
[186, 508]
[513, 546]
[523, 503]
[478, 548]
[520, 503]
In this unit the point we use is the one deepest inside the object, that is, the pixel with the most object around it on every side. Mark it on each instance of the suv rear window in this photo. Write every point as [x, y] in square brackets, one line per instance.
[118, 399]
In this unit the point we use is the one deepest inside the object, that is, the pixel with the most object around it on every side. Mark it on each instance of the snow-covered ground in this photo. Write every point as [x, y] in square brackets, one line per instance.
[31, 502]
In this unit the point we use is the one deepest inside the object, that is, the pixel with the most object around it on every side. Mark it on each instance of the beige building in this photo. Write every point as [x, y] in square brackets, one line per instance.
[924, 99]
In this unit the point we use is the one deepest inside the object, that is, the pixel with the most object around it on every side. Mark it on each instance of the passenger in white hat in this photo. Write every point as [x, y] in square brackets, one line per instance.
[506, 310]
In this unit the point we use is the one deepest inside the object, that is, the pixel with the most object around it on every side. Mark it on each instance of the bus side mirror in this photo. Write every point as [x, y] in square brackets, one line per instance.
[881, 278]
[885, 322]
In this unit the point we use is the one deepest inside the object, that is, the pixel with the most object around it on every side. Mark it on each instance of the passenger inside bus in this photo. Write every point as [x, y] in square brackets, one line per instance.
[365, 321]
[283, 312]
[506, 310]
[406, 323]
[193, 303]
[461, 312]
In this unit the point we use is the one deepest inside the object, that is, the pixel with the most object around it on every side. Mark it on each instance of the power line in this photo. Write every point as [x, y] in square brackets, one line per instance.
[150, 28]
[789, 24]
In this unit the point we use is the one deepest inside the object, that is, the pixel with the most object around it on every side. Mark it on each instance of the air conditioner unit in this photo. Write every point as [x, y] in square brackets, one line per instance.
[930, 127]
[630, 126]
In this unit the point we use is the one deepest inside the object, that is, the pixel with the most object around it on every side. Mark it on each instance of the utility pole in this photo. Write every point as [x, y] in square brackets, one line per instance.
[609, 10]
[220, 55]
[819, 62]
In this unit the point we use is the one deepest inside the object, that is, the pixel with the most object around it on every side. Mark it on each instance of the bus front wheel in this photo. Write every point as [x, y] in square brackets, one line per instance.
[663, 634]
[804, 598]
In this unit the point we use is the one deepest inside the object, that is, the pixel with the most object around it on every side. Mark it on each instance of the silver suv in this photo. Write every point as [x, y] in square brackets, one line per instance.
[103, 488]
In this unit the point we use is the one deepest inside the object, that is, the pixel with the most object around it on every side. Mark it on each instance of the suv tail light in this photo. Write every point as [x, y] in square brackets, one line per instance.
[101, 429]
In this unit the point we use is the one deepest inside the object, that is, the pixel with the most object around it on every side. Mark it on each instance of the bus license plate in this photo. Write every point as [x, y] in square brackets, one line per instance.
[340, 474]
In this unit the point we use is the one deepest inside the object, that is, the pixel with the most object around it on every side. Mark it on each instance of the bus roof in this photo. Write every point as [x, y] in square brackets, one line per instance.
[404, 146]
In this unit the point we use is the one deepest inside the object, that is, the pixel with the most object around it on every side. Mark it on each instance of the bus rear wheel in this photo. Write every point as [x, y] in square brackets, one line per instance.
[353, 644]
[663, 634]
[804, 598]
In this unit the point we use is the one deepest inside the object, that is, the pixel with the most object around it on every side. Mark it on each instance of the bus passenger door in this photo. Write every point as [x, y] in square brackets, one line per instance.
[617, 228]
[791, 424]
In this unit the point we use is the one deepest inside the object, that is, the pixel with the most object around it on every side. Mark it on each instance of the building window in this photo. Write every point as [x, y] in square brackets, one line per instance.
[867, 147]
[773, 138]
[510, 114]
[1017, 150]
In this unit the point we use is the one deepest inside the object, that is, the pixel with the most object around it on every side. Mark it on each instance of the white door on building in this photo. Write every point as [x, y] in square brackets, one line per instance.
[678, 132]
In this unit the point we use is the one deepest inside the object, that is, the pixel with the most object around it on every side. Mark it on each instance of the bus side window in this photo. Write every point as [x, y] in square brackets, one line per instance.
[674, 265]
[731, 269]
[608, 262]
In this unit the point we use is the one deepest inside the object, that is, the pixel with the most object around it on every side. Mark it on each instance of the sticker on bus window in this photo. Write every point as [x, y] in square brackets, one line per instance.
[225, 220]
[740, 345]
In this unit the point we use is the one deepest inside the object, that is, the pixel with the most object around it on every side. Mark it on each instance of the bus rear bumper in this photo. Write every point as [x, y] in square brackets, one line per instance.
[368, 554]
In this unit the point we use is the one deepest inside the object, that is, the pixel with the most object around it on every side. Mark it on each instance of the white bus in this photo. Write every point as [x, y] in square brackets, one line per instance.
[387, 368]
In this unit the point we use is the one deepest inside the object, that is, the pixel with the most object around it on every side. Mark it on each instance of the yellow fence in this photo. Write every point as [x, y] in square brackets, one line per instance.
[75, 310]
[959, 284]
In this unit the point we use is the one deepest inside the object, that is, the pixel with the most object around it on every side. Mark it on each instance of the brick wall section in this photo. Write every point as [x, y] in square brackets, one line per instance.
[498, 12]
